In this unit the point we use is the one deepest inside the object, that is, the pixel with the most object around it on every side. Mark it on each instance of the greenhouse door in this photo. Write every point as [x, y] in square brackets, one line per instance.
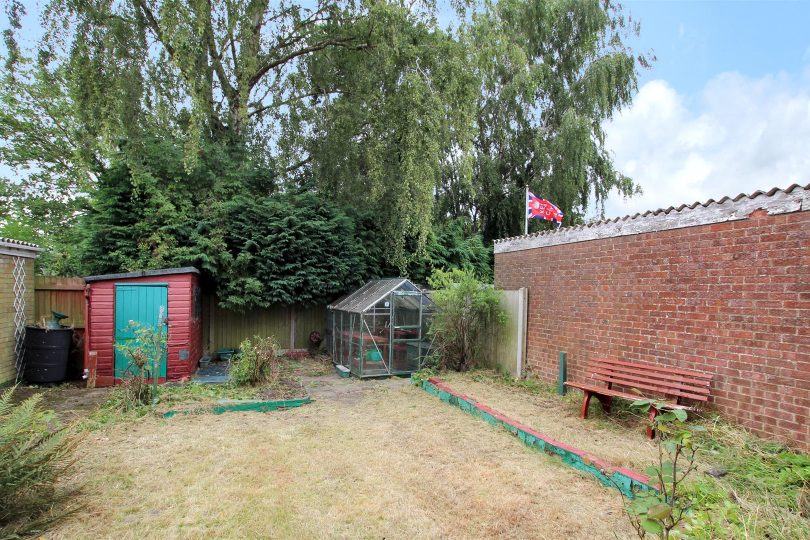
[139, 304]
[406, 331]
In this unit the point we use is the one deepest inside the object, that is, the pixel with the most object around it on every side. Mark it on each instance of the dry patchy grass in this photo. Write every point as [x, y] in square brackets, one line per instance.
[395, 463]
[608, 437]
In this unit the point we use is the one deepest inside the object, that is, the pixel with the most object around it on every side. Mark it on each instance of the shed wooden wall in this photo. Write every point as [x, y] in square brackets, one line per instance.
[219, 328]
[184, 330]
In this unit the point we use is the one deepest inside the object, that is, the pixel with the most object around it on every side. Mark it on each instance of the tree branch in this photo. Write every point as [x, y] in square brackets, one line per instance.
[298, 165]
[262, 71]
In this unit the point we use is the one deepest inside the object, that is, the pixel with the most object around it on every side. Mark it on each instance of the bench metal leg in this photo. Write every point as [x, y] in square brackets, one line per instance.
[650, 431]
[586, 400]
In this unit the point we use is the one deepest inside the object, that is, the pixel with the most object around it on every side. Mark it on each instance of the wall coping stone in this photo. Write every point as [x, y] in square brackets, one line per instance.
[795, 198]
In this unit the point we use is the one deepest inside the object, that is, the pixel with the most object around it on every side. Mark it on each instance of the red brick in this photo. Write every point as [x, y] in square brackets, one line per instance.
[730, 298]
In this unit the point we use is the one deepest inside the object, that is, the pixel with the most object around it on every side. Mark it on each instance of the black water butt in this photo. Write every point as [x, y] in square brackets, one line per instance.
[46, 354]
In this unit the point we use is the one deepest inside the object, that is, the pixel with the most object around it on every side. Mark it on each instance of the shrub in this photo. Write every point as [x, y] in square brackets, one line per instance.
[33, 456]
[466, 311]
[257, 363]
[145, 353]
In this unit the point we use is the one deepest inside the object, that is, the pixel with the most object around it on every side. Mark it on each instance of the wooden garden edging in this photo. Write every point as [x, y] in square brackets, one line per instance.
[241, 405]
[627, 481]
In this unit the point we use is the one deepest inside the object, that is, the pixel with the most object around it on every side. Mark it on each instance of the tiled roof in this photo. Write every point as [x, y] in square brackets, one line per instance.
[18, 248]
[775, 201]
[17, 242]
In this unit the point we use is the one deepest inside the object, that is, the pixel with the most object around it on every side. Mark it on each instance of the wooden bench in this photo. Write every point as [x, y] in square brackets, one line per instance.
[676, 385]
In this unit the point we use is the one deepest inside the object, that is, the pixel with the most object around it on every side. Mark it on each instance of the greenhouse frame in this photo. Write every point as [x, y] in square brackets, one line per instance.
[381, 329]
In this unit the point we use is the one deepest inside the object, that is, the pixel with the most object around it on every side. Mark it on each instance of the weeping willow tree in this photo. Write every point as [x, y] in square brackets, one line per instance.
[551, 73]
[369, 103]
[269, 77]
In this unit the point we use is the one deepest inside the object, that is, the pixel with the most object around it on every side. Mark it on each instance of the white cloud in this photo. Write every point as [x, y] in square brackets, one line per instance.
[738, 136]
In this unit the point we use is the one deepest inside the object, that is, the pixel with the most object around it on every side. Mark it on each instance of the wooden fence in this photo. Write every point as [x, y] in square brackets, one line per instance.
[222, 328]
[291, 325]
[65, 295]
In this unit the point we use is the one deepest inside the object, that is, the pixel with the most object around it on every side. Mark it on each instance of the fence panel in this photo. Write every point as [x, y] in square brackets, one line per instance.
[506, 347]
[291, 325]
[62, 294]
[308, 319]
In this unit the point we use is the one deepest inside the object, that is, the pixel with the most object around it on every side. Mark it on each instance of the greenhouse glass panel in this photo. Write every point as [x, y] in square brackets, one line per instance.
[381, 328]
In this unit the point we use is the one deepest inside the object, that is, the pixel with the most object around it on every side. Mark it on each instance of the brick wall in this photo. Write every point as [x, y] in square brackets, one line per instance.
[7, 359]
[731, 298]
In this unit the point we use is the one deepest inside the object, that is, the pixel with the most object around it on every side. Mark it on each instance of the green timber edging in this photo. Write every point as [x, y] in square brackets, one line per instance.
[627, 481]
[245, 406]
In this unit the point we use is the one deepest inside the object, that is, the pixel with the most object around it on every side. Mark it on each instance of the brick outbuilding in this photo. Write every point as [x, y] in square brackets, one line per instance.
[16, 302]
[114, 300]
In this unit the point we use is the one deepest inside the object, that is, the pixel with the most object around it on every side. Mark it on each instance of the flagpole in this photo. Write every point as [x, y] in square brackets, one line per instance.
[526, 211]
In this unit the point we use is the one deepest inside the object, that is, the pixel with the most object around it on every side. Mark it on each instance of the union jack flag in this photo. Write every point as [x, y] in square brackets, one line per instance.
[538, 207]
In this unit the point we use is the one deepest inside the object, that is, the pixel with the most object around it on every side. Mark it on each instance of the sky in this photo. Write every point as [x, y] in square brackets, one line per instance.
[724, 110]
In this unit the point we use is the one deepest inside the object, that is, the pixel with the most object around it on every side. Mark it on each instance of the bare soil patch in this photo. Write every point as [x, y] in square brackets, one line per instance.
[70, 401]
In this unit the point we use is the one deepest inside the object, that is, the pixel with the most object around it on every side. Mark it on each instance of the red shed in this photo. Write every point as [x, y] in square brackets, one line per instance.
[113, 300]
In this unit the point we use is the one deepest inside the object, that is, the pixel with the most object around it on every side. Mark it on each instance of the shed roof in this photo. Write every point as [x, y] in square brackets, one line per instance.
[794, 198]
[18, 248]
[369, 294]
[144, 273]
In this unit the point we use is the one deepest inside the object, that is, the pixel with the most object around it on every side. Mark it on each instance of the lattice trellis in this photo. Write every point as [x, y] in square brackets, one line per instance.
[19, 314]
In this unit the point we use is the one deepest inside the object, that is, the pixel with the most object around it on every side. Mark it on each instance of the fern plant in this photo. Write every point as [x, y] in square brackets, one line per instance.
[34, 455]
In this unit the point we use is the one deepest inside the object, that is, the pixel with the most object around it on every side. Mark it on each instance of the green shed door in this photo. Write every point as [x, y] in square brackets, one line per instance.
[142, 304]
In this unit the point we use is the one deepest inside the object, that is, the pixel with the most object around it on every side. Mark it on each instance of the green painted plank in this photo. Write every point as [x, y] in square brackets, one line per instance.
[245, 406]
[626, 481]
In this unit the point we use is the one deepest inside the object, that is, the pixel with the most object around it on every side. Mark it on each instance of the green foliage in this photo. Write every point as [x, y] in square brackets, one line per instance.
[145, 352]
[453, 245]
[418, 377]
[50, 171]
[765, 493]
[151, 211]
[34, 456]
[550, 74]
[257, 363]
[285, 249]
[370, 104]
[261, 249]
[661, 512]
[467, 312]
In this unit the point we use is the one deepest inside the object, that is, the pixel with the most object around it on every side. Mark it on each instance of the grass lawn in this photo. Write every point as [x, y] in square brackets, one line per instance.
[765, 492]
[384, 459]
[374, 460]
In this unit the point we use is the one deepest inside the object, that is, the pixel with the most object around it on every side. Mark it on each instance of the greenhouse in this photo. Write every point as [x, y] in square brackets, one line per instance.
[380, 329]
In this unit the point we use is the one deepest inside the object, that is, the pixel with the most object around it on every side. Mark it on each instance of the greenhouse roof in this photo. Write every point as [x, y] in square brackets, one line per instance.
[369, 294]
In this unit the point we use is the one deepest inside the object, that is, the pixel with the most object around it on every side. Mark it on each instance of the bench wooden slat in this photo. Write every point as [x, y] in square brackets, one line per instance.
[624, 395]
[638, 377]
[653, 367]
[669, 382]
[666, 390]
[667, 377]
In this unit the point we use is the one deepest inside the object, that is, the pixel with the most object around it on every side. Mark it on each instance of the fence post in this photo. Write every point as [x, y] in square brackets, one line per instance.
[563, 373]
